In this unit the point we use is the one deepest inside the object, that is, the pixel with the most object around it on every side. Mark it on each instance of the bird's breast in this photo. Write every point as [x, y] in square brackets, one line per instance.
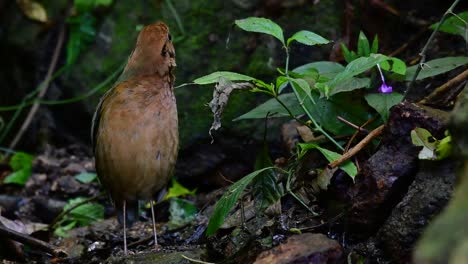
[137, 141]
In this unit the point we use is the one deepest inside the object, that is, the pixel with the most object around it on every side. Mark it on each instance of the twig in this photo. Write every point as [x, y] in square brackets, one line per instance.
[358, 128]
[65, 212]
[443, 88]
[356, 133]
[376, 132]
[195, 260]
[423, 51]
[28, 240]
[45, 86]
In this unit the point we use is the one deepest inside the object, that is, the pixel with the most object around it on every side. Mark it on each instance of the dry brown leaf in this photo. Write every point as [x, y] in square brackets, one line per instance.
[33, 10]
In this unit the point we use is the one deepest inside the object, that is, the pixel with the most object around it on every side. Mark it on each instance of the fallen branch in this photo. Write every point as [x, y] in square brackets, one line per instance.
[446, 86]
[29, 240]
[364, 142]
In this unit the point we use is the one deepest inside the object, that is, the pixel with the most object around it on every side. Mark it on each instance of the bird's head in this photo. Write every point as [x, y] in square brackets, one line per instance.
[154, 52]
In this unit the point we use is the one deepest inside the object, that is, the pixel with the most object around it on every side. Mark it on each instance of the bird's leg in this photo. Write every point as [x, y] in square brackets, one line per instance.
[154, 226]
[125, 226]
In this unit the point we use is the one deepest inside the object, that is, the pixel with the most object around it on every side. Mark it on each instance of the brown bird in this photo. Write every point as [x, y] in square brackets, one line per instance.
[135, 132]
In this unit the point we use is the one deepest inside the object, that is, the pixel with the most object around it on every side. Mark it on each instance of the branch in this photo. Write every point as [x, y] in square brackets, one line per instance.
[446, 86]
[364, 142]
[423, 51]
[29, 240]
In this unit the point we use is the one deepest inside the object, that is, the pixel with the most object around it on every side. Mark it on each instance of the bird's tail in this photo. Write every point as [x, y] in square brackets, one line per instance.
[131, 208]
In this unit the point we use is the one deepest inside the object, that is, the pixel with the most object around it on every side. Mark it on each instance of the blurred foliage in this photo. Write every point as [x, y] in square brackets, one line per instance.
[82, 215]
[21, 163]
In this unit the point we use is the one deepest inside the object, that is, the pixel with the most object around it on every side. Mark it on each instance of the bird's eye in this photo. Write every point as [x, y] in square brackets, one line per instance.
[169, 36]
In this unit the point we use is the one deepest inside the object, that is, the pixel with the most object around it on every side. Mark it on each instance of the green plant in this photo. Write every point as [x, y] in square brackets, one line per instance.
[321, 91]
[82, 215]
[21, 163]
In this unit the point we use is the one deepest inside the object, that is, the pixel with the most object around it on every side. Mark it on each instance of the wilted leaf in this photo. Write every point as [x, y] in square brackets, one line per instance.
[436, 67]
[220, 99]
[228, 200]
[261, 25]
[216, 76]
[33, 10]
[86, 177]
[308, 38]
[383, 102]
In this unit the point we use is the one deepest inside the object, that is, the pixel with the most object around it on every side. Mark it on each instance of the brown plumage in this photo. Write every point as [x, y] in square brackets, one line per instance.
[135, 131]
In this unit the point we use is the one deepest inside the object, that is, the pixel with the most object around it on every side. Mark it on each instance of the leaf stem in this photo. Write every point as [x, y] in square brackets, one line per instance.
[423, 51]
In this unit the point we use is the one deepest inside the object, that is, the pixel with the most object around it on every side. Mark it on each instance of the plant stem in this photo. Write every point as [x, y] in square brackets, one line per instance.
[423, 51]
[289, 111]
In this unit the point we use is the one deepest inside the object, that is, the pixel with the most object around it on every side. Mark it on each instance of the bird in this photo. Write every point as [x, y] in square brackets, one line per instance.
[134, 131]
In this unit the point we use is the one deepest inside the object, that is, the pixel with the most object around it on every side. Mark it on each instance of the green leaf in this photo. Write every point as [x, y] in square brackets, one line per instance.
[215, 76]
[383, 102]
[265, 188]
[346, 53]
[422, 137]
[62, 231]
[21, 163]
[308, 38]
[444, 148]
[394, 65]
[303, 85]
[181, 213]
[89, 5]
[347, 166]
[375, 45]
[82, 34]
[328, 69]
[453, 25]
[86, 177]
[261, 25]
[436, 67]
[178, 190]
[325, 111]
[363, 45]
[350, 85]
[274, 109]
[331, 156]
[84, 214]
[356, 67]
[228, 200]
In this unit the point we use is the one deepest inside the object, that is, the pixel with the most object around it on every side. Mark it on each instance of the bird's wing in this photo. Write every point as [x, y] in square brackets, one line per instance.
[97, 118]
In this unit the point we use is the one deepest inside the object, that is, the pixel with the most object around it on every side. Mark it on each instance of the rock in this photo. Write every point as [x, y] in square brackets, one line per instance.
[426, 197]
[176, 257]
[304, 248]
[387, 174]
[446, 238]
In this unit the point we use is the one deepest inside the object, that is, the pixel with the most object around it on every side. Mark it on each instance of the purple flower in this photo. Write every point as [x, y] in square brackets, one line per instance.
[384, 88]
